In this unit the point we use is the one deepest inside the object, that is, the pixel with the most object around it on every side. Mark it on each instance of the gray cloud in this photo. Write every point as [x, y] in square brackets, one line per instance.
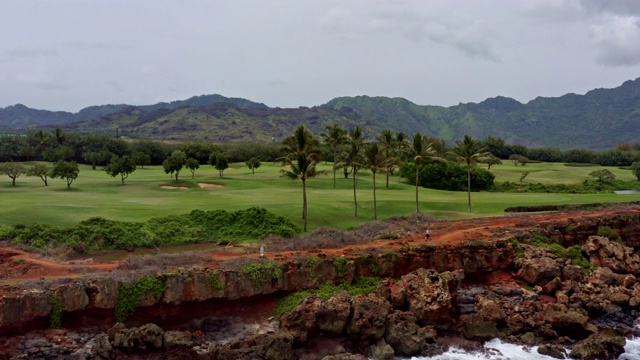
[616, 7]
[415, 25]
[618, 41]
[24, 53]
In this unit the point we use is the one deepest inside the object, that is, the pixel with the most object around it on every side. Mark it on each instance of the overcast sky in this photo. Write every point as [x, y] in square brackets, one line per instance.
[70, 54]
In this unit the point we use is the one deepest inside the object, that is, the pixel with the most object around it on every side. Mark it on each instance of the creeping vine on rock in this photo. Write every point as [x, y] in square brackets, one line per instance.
[261, 272]
[130, 296]
[55, 317]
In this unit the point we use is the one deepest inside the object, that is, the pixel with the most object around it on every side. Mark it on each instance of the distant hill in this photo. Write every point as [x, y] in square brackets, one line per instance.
[600, 119]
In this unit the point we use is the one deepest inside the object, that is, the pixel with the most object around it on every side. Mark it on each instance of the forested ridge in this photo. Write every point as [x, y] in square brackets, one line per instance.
[600, 119]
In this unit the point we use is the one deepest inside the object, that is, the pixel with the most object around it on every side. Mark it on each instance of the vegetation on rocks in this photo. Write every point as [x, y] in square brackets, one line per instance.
[261, 271]
[362, 285]
[55, 317]
[130, 296]
[98, 234]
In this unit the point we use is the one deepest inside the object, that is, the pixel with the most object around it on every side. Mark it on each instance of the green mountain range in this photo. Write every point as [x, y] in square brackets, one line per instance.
[600, 119]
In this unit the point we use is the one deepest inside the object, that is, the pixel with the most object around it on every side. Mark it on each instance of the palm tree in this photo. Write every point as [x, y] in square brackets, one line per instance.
[468, 150]
[387, 145]
[302, 155]
[352, 157]
[334, 137]
[420, 150]
[374, 160]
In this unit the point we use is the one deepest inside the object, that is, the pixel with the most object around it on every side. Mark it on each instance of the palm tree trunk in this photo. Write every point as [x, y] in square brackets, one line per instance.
[304, 204]
[387, 177]
[375, 207]
[417, 207]
[469, 185]
[335, 153]
[355, 200]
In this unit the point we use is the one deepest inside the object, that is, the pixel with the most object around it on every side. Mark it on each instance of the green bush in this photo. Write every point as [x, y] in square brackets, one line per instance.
[609, 233]
[99, 234]
[445, 175]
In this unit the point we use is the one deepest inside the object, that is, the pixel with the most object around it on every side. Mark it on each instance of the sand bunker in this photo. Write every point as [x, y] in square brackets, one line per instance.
[210, 186]
[174, 187]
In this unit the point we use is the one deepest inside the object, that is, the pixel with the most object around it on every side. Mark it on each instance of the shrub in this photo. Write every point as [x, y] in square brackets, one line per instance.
[609, 233]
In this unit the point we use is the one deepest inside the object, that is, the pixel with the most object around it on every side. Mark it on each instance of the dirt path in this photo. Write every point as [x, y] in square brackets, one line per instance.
[18, 264]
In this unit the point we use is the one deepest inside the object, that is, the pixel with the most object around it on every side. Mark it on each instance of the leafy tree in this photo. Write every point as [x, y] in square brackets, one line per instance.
[220, 162]
[157, 151]
[374, 160]
[255, 163]
[420, 151]
[496, 146]
[65, 170]
[96, 157]
[59, 153]
[603, 175]
[40, 170]
[518, 159]
[141, 159]
[635, 168]
[468, 151]
[174, 163]
[302, 156]
[12, 170]
[10, 146]
[192, 164]
[490, 160]
[122, 166]
[524, 175]
[352, 157]
[334, 137]
[27, 152]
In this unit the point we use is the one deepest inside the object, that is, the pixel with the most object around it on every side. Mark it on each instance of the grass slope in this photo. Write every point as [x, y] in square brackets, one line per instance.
[95, 193]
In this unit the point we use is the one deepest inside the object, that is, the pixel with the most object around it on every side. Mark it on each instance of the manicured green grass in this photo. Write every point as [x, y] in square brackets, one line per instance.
[95, 193]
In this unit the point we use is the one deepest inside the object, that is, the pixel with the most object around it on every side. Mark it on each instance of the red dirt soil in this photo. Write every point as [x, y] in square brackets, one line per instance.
[18, 265]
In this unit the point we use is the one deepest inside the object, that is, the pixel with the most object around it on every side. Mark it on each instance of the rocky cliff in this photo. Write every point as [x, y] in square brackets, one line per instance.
[560, 301]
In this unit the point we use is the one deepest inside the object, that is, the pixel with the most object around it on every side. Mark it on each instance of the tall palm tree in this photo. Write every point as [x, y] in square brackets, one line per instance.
[302, 155]
[468, 150]
[374, 160]
[352, 157]
[387, 145]
[334, 137]
[420, 150]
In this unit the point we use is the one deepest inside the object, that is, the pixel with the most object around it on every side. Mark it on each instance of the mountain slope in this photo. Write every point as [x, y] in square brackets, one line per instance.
[600, 119]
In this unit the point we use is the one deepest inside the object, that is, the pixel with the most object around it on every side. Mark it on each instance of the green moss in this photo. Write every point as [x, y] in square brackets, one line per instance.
[55, 317]
[310, 263]
[371, 262]
[262, 271]
[213, 281]
[341, 264]
[129, 296]
[519, 249]
[362, 285]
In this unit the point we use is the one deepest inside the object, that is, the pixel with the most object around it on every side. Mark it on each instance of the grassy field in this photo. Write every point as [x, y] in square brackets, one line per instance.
[95, 193]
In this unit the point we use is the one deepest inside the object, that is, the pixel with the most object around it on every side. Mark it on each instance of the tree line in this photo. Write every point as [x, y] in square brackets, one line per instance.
[421, 160]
